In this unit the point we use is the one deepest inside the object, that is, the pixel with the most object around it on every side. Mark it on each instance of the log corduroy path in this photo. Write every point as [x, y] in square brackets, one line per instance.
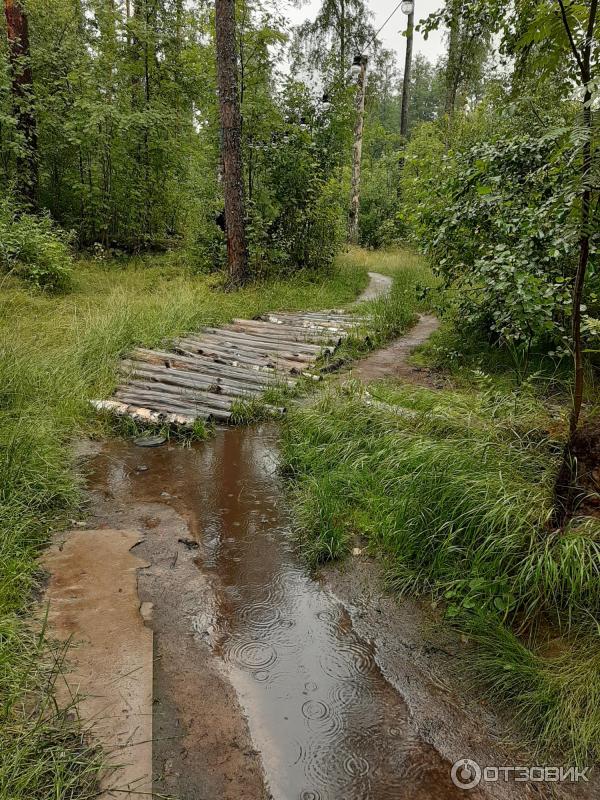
[203, 375]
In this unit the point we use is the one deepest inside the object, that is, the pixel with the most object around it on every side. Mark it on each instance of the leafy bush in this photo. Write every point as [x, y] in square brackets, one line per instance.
[380, 220]
[35, 249]
[494, 213]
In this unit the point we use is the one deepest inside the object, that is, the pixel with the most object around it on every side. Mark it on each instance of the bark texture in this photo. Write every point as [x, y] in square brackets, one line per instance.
[231, 141]
[566, 486]
[17, 31]
[407, 69]
[453, 65]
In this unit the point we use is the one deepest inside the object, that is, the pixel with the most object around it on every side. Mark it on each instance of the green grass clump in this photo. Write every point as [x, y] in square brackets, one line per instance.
[554, 696]
[56, 353]
[454, 491]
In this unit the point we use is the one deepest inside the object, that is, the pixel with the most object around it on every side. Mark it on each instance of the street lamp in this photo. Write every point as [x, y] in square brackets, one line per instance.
[408, 8]
[357, 64]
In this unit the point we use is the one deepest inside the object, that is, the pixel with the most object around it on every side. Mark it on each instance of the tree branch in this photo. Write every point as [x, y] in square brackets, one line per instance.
[567, 28]
[589, 37]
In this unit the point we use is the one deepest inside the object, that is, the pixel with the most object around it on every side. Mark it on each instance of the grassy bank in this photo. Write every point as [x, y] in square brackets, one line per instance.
[453, 490]
[57, 352]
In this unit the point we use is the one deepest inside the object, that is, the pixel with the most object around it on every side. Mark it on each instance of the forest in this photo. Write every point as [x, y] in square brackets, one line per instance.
[168, 166]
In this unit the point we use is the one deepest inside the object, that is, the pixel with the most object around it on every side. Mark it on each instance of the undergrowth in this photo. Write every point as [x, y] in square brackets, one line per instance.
[454, 491]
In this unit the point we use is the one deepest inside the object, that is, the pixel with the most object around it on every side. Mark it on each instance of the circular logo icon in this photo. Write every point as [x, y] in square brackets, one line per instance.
[465, 773]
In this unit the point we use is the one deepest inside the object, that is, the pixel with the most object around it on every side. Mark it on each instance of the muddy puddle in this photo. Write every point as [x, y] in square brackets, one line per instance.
[311, 716]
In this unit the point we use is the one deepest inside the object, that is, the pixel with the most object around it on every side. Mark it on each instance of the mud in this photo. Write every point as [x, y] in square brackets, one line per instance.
[392, 361]
[267, 681]
[378, 285]
[93, 603]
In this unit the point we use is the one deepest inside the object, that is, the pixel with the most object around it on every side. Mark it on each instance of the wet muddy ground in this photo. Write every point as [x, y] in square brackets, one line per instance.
[267, 683]
[230, 593]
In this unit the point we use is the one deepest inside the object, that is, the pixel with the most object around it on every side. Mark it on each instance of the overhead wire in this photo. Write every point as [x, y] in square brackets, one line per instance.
[376, 34]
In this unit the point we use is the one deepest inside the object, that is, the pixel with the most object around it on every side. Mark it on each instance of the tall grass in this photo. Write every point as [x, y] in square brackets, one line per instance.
[56, 354]
[454, 491]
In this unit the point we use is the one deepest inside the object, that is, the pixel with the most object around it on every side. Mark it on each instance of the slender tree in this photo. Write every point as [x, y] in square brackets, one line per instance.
[339, 26]
[453, 63]
[357, 152]
[583, 59]
[407, 70]
[231, 141]
[17, 29]
[580, 37]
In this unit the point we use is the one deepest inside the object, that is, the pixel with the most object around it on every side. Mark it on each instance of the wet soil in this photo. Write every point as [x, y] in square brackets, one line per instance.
[586, 449]
[262, 686]
[392, 361]
[93, 604]
[268, 682]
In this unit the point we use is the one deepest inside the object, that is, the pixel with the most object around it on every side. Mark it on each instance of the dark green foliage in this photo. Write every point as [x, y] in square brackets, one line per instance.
[35, 249]
[494, 212]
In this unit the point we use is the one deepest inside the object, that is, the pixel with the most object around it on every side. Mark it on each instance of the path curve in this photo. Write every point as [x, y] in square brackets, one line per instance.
[392, 361]
[378, 286]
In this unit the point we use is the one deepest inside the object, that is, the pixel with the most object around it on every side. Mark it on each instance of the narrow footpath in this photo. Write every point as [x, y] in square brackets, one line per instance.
[217, 668]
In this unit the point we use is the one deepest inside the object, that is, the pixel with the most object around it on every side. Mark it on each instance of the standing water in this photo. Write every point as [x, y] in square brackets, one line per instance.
[226, 579]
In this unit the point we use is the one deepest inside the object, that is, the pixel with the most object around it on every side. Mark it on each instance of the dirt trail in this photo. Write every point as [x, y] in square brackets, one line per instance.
[392, 361]
[267, 682]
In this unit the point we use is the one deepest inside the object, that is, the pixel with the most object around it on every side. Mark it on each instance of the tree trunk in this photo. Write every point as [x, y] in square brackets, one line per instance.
[406, 79]
[17, 30]
[231, 142]
[565, 488]
[452, 67]
[357, 153]
[343, 64]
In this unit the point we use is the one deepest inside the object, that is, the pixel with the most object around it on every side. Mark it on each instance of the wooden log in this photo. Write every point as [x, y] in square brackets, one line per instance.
[258, 341]
[325, 315]
[236, 356]
[177, 377]
[207, 348]
[255, 349]
[260, 351]
[281, 331]
[250, 349]
[152, 397]
[180, 394]
[305, 324]
[319, 323]
[161, 406]
[141, 414]
[239, 363]
[318, 319]
[206, 366]
[158, 402]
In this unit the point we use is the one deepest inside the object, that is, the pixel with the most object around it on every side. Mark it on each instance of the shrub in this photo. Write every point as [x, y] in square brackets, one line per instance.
[380, 220]
[490, 199]
[35, 249]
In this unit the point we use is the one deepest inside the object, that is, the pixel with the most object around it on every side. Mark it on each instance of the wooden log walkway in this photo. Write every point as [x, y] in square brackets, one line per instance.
[203, 375]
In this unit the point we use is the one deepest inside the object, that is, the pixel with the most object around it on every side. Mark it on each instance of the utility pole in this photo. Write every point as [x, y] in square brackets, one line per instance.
[408, 8]
[17, 31]
[359, 66]
[231, 141]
